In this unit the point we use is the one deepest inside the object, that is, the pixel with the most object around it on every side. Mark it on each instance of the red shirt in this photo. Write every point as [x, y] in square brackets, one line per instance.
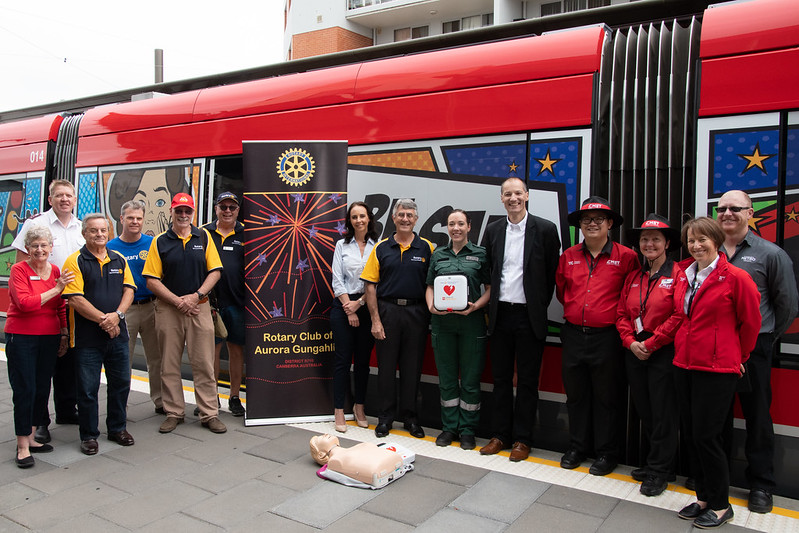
[26, 314]
[723, 324]
[589, 288]
[661, 316]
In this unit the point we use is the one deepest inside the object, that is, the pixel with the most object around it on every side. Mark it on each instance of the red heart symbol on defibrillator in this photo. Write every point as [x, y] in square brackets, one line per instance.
[449, 289]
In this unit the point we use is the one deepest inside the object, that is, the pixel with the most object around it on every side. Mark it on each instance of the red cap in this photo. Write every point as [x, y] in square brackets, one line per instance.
[182, 199]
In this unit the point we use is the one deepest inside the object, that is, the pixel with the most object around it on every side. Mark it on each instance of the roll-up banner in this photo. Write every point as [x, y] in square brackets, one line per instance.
[294, 207]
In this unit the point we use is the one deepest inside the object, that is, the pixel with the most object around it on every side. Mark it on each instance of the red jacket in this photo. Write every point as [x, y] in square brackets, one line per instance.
[590, 296]
[26, 315]
[724, 322]
[661, 317]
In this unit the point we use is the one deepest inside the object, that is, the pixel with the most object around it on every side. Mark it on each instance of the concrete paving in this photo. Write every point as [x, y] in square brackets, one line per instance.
[263, 478]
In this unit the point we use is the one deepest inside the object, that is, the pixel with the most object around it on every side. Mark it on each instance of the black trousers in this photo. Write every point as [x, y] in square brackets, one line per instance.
[406, 328]
[65, 386]
[655, 399]
[592, 376]
[756, 406]
[513, 344]
[704, 403]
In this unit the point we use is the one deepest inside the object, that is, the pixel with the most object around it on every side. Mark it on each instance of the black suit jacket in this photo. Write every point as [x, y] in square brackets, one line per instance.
[541, 253]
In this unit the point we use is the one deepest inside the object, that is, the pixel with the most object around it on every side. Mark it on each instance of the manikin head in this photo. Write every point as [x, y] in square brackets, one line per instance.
[321, 446]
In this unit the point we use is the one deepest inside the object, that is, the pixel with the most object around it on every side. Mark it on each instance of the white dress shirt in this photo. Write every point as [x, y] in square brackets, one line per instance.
[511, 284]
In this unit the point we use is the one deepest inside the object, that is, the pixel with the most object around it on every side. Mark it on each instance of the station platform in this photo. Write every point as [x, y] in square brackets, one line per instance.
[262, 477]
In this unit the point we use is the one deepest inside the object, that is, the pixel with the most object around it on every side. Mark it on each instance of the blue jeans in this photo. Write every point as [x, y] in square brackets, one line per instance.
[31, 363]
[114, 357]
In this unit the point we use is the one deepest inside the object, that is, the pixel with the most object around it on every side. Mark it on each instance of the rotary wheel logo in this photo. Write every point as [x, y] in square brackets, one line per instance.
[295, 167]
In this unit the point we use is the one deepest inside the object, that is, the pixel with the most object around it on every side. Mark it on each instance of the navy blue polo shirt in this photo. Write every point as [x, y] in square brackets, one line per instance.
[230, 289]
[102, 283]
[399, 272]
[182, 264]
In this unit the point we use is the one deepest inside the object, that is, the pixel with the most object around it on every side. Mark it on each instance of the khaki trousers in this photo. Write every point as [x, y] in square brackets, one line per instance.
[174, 330]
[141, 322]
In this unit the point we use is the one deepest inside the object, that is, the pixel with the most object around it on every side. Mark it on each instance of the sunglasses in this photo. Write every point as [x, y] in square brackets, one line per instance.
[228, 207]
[733, 208]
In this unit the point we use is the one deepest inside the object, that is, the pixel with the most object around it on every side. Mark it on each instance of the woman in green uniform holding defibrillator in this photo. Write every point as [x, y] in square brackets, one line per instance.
[455, 300]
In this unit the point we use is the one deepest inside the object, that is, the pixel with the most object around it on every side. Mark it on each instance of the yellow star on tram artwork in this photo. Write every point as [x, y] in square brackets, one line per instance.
[548, 164]
[755, 159]
[792, 216]
[753, 223]
[513, 167]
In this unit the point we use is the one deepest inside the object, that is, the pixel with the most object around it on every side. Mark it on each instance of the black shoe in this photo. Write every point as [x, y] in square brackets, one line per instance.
[760, 501]
[89, 446]
[67, 419]
[691, 511]
[571, 459]
[690, 483]
[197, 411]
[160, 411]
[603, 466]
[27, 462]
[44, 448]
[653, 485]
[234, 404]
[446, 438]
[640, 474]
[42, 435]
[467, 442]
[381, 430]
[414, 429]
[709, 519]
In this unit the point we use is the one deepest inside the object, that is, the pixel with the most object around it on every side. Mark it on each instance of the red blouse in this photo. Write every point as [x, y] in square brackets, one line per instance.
[26, 315]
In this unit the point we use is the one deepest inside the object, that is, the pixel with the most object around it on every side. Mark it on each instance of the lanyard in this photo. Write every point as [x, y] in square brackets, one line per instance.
[649, 287]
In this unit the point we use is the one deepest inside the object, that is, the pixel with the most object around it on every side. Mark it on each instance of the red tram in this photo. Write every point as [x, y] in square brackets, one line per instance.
[658, 117]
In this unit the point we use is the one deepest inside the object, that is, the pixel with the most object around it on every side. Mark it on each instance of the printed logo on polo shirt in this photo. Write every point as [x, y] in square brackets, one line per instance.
[748, 259]
[666, 283]
[115, 271]
[472, 258]
[418, 259]
[237, 242]
[573, 263]
[143, 255]
[721, 278]
[197, 247]
[614, 262]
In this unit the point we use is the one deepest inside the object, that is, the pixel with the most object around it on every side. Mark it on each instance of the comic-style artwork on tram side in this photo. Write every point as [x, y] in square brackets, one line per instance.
[743, 152]
[155, 185]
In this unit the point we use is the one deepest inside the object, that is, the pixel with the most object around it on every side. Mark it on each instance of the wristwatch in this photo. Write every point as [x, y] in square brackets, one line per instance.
[121, 315]
[200, 295]
[361, 301]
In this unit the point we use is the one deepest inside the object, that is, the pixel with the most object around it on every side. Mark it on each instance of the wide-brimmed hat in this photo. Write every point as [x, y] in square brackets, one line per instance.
[595, 203]
[656, 222]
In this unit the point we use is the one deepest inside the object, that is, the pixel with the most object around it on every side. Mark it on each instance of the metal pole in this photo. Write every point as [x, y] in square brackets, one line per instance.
[159, 65]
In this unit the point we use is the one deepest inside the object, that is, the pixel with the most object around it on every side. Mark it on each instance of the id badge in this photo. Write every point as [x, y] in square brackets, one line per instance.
[639, 324]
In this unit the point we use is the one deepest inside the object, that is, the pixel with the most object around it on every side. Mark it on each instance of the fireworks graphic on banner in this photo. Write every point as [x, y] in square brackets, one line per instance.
[290, 240]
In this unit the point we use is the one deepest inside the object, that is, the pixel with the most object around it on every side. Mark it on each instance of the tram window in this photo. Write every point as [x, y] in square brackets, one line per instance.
[228, 176]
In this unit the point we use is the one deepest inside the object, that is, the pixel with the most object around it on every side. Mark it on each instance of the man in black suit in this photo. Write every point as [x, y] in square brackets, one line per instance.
[523, 252]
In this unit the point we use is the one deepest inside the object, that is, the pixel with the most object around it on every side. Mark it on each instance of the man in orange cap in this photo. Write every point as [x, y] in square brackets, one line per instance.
[182, 267]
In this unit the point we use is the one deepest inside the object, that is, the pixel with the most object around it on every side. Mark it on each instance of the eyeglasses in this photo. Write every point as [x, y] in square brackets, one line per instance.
[182, 211]
[733, 208]
[228, 207]
[596, 220]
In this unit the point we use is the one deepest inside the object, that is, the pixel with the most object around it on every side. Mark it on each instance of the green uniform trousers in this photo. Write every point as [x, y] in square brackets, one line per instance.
[459, 345]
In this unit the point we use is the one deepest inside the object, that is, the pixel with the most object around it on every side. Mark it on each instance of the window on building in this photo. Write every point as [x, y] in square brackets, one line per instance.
[574, 5]
[405, 34]
[551, 8]
[402, 34]
[598, 3]
[451, 26]
[488, 19]
[420, 31]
